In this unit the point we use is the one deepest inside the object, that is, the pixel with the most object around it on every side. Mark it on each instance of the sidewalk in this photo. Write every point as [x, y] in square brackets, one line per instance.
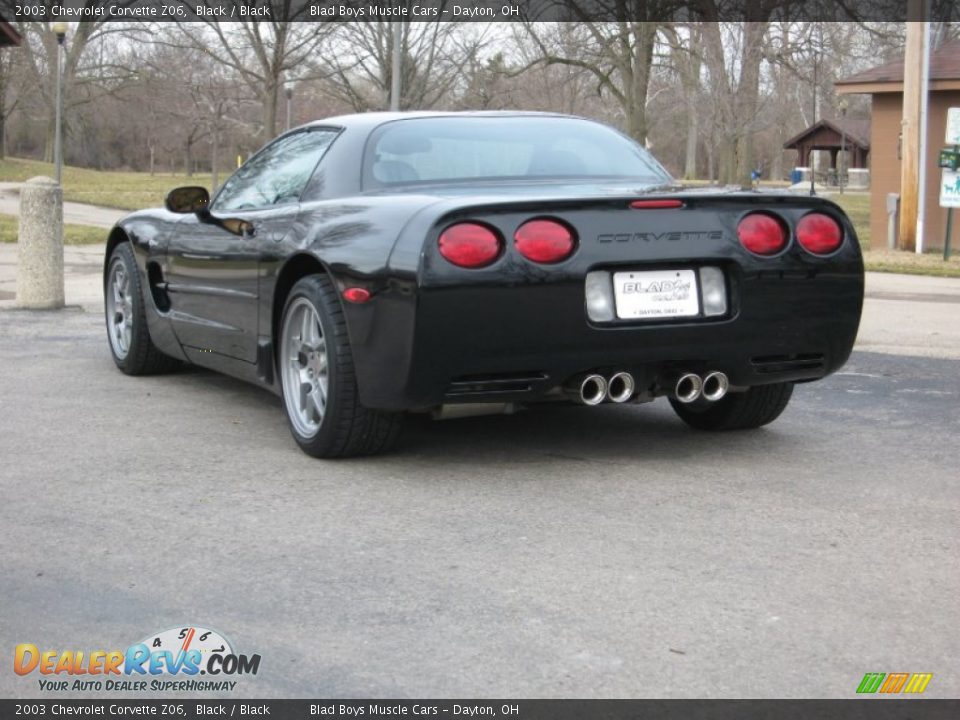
[73, 213]
[902, 314]
[911, 315]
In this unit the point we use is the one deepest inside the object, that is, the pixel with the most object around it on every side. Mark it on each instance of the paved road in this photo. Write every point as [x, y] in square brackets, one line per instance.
[579, 552]
[73, 213]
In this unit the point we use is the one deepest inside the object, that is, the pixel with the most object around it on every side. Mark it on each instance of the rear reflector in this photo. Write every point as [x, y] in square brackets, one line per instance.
[655, 204]
[470, 245]
[545, 241]
[819, 234]
[762, 234]
[356, 295]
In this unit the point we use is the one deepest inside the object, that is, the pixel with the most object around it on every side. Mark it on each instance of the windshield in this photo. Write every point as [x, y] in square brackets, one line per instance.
[460, 149]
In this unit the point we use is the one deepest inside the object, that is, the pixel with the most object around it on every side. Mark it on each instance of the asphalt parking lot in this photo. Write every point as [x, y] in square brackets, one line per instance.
[605, 552]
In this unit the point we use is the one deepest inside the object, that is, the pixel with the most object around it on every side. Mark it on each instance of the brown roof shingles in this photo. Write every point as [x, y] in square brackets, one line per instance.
[944, 65]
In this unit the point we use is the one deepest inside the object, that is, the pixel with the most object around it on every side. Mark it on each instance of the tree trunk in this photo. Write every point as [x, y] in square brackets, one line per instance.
[636, 80]
[690, 79]
[215, 161]
[690, 153]
[748, 90]
[269, 116]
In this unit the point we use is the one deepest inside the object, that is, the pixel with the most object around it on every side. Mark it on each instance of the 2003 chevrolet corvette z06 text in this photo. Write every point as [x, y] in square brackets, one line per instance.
[370, 265]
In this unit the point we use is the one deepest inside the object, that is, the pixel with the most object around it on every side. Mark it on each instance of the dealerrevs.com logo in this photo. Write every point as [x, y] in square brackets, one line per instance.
[167, 661]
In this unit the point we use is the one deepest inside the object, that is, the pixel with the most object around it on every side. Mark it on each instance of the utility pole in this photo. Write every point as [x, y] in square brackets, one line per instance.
[924, 125]
[395, 65]
[910, 128]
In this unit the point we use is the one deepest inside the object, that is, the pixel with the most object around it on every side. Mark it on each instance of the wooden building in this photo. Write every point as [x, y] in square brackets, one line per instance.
[831, 135]
[884, 84]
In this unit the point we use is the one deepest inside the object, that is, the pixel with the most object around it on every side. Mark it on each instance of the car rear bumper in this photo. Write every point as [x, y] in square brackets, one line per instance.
[496, 343]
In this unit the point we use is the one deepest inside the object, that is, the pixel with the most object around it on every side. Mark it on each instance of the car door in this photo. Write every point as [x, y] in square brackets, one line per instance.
[213, 257]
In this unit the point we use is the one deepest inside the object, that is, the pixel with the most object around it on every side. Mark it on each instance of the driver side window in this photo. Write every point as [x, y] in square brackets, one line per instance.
[277, 175]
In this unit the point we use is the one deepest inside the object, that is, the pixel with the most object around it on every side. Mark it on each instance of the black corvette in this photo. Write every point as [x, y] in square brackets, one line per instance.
[462, 263]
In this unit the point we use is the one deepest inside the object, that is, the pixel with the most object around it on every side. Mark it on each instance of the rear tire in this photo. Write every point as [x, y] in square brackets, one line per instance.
[320, 393]
[754, 408]
[129, 339]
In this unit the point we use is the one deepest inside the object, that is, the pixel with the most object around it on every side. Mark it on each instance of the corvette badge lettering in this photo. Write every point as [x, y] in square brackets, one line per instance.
[671, 236]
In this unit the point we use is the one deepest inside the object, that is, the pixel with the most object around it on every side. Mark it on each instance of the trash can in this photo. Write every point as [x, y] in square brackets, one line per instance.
[795, 176]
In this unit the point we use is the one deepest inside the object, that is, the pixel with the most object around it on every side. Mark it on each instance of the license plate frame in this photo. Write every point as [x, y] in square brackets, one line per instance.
[663, 294]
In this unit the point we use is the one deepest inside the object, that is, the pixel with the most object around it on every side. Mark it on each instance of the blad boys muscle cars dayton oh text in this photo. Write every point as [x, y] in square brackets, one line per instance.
[367, 266]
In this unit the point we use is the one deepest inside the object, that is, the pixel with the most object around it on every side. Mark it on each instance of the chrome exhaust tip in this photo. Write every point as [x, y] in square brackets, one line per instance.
[620, 387]
[588, 389]
[688, 388]
[715, 386]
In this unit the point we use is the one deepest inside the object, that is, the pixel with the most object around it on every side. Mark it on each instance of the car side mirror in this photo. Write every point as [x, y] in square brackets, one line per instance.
[189, 199]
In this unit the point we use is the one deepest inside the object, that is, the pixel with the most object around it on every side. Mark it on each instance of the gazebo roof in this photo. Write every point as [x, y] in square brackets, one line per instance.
[857, 132]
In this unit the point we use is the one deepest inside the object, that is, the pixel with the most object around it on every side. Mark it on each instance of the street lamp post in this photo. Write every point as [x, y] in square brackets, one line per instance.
[396, 59]
[813, 148]
[842, 165]
[288, 89]
[60, 30]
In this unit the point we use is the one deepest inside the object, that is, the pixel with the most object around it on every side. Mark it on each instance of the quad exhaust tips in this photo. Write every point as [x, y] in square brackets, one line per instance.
[712, 387]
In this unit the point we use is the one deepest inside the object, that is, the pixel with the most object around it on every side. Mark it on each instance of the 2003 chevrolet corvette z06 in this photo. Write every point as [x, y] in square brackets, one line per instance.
[366, 266]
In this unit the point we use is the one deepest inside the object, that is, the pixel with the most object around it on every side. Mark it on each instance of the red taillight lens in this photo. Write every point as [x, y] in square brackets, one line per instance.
[655, 204]
[762, 234]
[545, 241]
[470, 245]
[819, 234]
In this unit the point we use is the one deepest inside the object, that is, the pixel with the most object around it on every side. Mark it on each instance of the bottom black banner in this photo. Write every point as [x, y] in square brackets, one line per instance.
[859, 709]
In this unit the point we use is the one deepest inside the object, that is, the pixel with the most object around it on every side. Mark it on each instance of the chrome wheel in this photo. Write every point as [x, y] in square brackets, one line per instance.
[304, 367]
[119, 309]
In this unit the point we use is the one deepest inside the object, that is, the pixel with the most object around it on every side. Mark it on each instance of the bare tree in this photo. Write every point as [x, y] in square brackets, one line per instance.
[619, 54]
[261, 53]
[359, 65]
[13, 84]
[85, 77]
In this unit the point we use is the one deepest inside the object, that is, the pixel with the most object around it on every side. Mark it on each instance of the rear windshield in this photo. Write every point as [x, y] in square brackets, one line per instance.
[461, 149]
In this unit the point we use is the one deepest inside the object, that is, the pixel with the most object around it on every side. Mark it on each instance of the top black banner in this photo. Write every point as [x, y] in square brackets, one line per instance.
[479, 10]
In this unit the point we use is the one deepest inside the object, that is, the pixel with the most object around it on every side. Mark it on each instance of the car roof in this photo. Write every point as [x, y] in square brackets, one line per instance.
[370, 120]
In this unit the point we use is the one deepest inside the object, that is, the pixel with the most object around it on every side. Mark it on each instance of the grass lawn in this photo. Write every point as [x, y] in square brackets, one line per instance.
[72, 234]
[857, 206]
[124, 190]
[898, 261]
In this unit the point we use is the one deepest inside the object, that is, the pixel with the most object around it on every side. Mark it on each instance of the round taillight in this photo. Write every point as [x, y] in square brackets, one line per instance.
[762, 234]
[470, 245]
[545, 241]
[819, 234]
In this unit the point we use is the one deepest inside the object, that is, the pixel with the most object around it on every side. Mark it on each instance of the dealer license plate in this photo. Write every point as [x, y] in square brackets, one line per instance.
[656, 294]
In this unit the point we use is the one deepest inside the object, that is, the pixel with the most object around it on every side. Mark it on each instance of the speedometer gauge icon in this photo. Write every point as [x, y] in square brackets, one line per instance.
[193, 637]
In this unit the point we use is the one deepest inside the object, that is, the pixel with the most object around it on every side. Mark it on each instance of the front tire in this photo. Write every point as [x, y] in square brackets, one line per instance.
[132, 348]
[754, 408]
[319, 384]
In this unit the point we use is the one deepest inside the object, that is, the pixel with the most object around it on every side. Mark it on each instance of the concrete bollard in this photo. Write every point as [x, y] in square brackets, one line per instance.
[40, 268]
